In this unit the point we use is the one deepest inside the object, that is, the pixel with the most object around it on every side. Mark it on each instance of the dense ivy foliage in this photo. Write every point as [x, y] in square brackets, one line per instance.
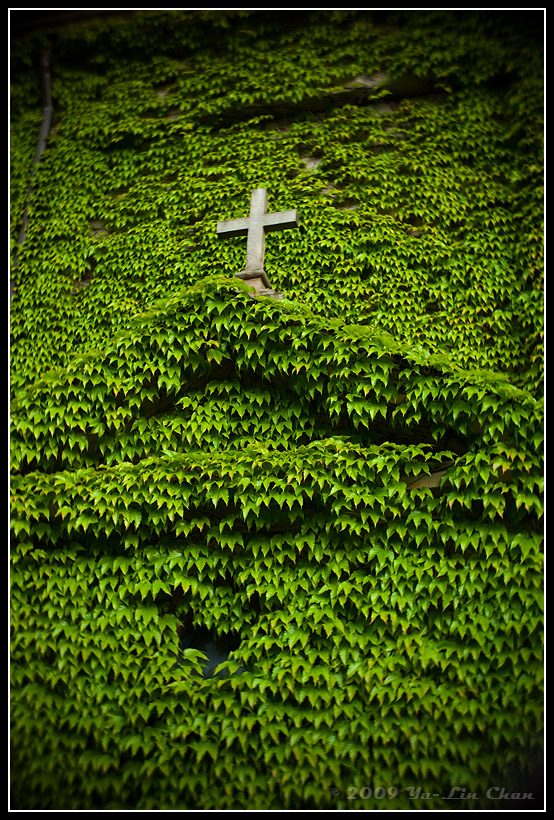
[349, 480]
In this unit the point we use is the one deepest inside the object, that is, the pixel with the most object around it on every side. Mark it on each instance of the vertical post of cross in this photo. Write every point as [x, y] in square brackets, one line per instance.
[254, 227]
[255, 240]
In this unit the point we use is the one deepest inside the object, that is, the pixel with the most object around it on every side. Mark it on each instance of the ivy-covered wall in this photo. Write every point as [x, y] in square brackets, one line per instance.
[344, 485]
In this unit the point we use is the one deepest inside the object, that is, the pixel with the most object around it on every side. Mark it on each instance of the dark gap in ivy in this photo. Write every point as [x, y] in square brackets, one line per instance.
[216, 648]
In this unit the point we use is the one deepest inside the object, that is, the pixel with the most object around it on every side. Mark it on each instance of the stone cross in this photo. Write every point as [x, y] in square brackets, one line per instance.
[255, 227]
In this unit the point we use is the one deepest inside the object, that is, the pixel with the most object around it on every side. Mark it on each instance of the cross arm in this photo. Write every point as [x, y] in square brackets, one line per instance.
[280, 220]
[233, 227]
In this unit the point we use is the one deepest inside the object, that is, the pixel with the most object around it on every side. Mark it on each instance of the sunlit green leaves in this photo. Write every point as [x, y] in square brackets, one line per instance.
[359, 547]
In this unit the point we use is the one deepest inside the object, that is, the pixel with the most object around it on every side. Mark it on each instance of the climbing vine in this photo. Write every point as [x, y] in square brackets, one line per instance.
[348, 479]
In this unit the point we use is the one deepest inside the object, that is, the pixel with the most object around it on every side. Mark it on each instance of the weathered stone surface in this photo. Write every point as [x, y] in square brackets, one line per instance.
[311, 162]
[258, 282]
[269, 293]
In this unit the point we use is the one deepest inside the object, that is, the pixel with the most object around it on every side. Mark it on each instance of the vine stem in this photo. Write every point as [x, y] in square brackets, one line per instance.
[47, 113]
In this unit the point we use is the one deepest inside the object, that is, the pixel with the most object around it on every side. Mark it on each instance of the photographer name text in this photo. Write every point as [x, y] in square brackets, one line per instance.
[419, 793]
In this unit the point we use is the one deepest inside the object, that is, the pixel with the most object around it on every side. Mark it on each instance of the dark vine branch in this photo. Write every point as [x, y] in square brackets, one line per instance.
[47, 113]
